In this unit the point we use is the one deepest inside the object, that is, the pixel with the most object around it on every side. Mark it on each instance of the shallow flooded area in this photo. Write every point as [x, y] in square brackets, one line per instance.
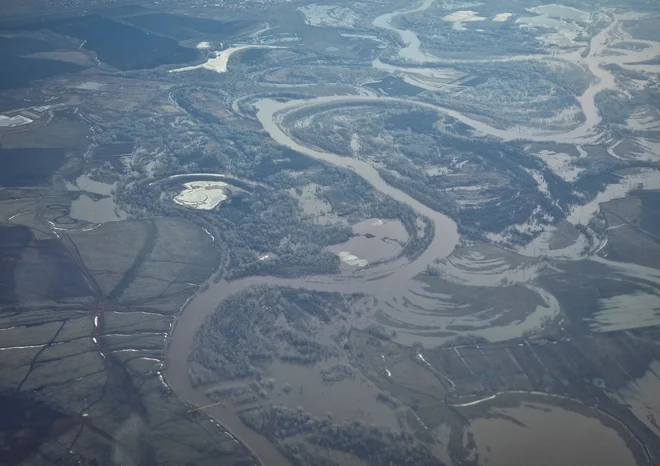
[323, 391]
[643, 397]
[545, 435]
[375, 240]
[95, 211]
[95, 202]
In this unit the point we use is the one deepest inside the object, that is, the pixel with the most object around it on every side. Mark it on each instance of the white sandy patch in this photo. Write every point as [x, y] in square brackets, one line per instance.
[561, 12]
[204, 45]
[463, 16]
[501, 17]
[561, 164]
[219, 62]
[351, 259]
[202, 195]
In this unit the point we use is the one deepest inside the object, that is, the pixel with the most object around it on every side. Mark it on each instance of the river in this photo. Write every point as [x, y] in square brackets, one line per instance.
[386, 280]
[411, 50]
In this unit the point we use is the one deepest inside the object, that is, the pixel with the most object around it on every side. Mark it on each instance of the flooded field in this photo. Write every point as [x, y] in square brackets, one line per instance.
[454, 323]
[94, 202]
[643, 397]
[345, 398]
[374, 240]
[314, 206]
[546, 436]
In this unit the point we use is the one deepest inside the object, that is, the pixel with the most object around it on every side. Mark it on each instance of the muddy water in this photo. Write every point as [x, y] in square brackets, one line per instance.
[644, 179]
[387, 281]
[94, 210]
[390, 280]
[643, 397]
[446, 234]
[548, 436]
[376, 240]
[595, 59]
[411, 50]
[582, 214]
[347, 400]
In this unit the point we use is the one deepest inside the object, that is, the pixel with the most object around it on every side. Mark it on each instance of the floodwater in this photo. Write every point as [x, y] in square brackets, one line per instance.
[500, 441]
[430, 315]
[643, 397]
[624, 312]
[446, 237]
[387, 279]
[94, 210]
[411, 49]
[582, 214]
[548, 436]
[645, 179]
[376, 240]
[432, 79]
[347, 400]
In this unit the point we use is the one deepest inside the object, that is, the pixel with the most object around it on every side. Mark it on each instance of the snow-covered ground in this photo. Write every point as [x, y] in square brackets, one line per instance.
[501, 17]
[11, 122]
[219, 62]
[463, 16]
[329, 15]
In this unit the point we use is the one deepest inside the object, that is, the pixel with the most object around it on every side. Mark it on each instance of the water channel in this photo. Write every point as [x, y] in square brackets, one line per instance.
[384, 281]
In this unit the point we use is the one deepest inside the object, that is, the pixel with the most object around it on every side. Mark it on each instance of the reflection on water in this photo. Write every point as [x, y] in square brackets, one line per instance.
[95, 203]
[95, 211]
[540, 435]
[435, 309]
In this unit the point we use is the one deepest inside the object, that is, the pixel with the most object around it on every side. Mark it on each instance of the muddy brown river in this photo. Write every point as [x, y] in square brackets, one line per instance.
[385, 281]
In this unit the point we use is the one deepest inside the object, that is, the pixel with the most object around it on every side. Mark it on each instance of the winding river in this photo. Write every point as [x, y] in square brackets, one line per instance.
[386, 280]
